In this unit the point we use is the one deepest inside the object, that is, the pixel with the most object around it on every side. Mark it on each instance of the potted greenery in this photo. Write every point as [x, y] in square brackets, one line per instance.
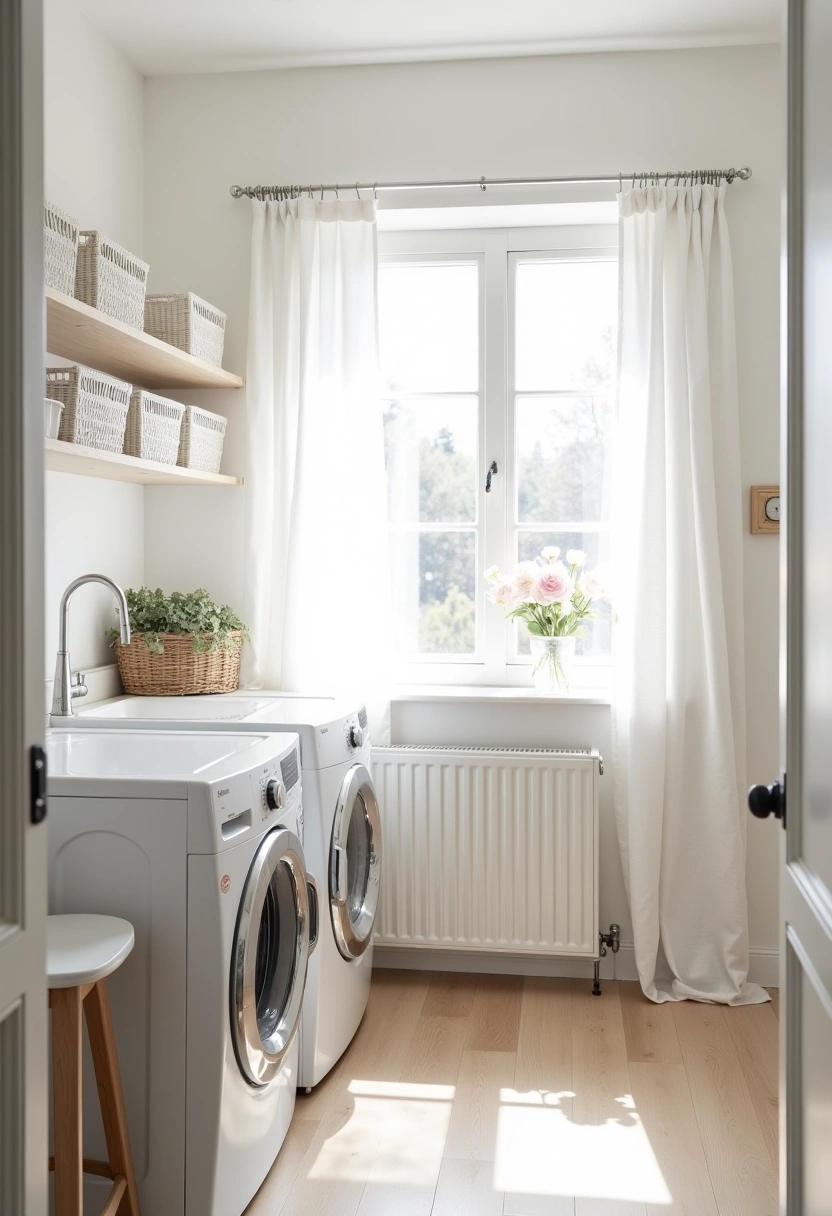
[182, 643]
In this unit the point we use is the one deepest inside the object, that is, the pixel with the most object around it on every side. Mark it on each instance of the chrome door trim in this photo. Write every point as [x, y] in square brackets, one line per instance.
[353, 937]
[260, 1062]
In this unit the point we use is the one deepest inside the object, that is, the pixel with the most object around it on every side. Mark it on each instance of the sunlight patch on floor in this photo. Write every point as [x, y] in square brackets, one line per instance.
[542, 1150]
[403, 1127]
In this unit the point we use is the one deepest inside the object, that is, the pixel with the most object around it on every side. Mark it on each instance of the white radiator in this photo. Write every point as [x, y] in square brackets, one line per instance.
[485, 849]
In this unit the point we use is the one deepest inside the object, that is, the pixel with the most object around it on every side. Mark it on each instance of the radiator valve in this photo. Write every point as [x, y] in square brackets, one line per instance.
[606, 941]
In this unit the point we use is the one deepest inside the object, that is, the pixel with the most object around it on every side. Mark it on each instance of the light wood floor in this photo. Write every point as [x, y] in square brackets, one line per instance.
[497, 1096]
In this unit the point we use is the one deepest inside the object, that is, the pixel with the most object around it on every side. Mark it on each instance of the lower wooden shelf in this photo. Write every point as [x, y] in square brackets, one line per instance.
[114, 466]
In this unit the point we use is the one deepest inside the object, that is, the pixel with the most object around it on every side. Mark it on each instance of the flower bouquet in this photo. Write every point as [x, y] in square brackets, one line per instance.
[554, 598]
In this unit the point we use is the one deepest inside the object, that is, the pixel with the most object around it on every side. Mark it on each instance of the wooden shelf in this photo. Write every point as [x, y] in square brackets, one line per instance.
[114, 466]
[83, 334]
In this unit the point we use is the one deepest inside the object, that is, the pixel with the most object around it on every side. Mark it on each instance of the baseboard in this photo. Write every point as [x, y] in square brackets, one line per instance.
[764, 964]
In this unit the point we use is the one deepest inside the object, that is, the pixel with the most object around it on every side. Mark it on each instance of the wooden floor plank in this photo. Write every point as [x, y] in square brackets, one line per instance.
[435, 1050]
[665, 1108]
[602, 1110]
[473, 1128]
[465, 1188]
[382, 1043]
[544, 1043]
[742, 1174]
[649, 1029]
[451, 995]
[774, 993]
[755, 1034]
[494, 1023]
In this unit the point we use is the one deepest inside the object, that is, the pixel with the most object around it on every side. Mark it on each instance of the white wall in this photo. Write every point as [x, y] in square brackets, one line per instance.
[572, 114]
[94, 150]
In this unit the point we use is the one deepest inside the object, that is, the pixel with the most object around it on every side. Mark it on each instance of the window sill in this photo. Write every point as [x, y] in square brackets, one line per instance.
[472, 694]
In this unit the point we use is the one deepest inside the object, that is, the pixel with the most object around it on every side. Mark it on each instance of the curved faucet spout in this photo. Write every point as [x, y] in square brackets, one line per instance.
[63, 691]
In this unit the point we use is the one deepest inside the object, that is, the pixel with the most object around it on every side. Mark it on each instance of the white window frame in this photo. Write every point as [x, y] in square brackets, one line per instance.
[497, 252]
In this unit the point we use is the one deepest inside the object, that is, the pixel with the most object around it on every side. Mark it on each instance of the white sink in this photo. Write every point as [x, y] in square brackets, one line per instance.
[151, 754]
[220, 708]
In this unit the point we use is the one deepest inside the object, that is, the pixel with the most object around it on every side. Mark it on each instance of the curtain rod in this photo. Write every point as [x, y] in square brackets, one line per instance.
[702, 175]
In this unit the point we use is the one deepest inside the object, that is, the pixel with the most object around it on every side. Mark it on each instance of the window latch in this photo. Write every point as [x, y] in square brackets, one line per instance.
[491, 471]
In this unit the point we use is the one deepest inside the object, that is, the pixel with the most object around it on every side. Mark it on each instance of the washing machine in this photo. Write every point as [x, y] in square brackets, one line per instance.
[343, 838]
[196, 839]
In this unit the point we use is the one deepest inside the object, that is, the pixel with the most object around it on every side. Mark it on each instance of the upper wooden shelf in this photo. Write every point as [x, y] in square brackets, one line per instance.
[83, 334]
[115, 466]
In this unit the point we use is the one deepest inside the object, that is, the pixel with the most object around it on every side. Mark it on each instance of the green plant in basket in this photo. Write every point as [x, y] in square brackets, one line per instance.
[152, 613]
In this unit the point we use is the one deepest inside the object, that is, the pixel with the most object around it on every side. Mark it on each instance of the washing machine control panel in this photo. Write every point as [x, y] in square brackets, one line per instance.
[278, 792]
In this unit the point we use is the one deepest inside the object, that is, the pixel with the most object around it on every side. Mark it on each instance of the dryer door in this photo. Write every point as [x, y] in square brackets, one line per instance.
[355, 863]
[268, 962]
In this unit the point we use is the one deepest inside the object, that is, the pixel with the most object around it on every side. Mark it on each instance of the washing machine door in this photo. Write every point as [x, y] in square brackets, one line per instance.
[355, 863]
[271, 951]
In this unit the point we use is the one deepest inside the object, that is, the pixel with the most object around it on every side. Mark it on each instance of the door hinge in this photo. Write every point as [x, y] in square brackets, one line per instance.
[37, 784]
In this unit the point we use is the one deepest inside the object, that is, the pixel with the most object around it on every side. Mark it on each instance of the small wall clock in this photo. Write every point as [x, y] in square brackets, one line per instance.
[765, 509]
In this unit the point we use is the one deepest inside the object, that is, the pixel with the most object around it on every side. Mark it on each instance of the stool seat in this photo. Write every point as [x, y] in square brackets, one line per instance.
[82, 949]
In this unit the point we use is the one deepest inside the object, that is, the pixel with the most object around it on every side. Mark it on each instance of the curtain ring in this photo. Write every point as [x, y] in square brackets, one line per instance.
[357, 195]
[337, 195]
[322, 194]
[375, 191]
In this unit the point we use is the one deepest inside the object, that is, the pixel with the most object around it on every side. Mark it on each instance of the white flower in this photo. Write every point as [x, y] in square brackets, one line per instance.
[492, 574]
[591, 585]
[575, 557]
[524, 578]
[551, 553]
[505, 594]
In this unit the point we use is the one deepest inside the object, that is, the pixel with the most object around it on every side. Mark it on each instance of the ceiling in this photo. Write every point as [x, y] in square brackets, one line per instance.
[173, 36]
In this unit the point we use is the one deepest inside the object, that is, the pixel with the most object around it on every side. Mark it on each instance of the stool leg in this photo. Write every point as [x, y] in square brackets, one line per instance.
[110, 1093]
[66, 1100]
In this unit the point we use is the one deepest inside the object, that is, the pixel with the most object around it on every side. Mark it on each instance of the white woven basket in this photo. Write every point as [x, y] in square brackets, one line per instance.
[110, 279]
[95, 406]
[52, 411]
[189, 322]
[153, 427]
[60, 249]
[203, 434]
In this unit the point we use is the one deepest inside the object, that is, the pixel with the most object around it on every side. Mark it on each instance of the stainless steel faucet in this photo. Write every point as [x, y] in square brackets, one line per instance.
[66, 686]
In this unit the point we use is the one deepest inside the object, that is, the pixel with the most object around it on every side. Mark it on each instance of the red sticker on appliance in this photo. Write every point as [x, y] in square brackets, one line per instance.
[225, 883]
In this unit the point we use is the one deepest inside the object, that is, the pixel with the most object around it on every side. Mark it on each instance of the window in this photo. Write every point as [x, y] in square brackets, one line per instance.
[492, 352]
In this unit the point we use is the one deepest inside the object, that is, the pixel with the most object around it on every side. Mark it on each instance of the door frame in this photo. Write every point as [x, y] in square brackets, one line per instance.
[23, 1005]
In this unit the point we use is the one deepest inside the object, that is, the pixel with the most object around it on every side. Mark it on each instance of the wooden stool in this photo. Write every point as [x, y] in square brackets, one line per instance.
[80, 952]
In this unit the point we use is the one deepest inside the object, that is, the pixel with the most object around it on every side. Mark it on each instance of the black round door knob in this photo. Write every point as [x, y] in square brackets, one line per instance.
[765, 800]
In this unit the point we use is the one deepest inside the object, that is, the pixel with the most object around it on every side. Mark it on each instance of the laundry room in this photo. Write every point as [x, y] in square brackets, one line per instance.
[409, 648]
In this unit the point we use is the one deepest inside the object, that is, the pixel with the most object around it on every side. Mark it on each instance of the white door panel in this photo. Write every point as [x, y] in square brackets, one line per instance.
[23, 1010]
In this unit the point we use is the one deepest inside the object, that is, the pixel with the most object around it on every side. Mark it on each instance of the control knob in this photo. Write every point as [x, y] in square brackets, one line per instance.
[356, 736]
[275, 795]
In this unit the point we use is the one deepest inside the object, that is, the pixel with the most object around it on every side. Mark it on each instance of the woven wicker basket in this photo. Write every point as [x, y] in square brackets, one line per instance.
[95, 406]
[153, 426]
[110, 279]
[60, 249]
[200, 445]
[179, 671]
[189, 322]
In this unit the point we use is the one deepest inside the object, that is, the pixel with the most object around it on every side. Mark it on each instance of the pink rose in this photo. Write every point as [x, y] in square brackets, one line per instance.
[524, 578]
[552, 584]
[504, 594]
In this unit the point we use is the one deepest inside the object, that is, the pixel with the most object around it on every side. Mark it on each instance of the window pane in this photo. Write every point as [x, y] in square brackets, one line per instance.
[595, 641]
[434, 589]
[562, 452]
[565, 325]
[431, 446]
[429, 327]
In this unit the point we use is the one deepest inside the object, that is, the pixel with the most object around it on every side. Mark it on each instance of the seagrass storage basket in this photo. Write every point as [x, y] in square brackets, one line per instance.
[153, 427]
[179, 671]
[189, 322]
[60, 249]
[200, 445]
[95, 406]
[110, 279]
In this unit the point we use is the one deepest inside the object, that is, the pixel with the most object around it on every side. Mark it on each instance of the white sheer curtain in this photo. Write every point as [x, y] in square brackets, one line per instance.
[316, 543]
[679, 702]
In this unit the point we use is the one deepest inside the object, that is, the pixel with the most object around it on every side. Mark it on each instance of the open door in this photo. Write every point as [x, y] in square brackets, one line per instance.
[23, 1007]
[803, 799]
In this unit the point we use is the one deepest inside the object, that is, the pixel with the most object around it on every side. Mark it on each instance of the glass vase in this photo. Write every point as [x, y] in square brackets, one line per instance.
[552, 660]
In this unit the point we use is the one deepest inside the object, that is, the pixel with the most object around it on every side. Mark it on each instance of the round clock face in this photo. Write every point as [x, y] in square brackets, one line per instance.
[773, 509]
